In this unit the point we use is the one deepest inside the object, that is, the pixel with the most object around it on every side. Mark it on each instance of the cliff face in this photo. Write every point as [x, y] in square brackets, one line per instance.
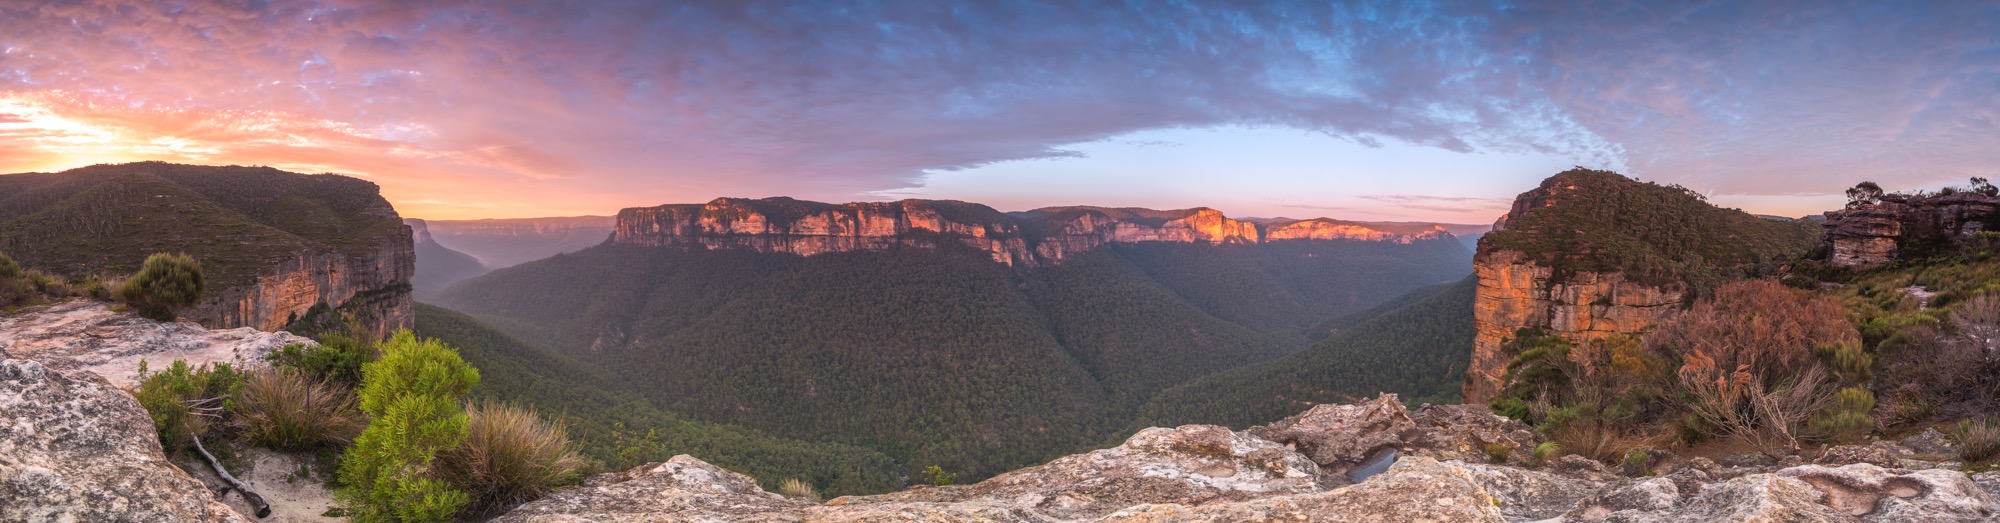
[1591, 253]
[1025, 238]
[809, 228]
[272, 244]
[1515, 293]
[374, 286]
[1872, 235]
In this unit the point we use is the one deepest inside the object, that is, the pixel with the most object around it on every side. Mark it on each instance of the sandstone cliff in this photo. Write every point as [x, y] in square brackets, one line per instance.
[273, 244]
[1872, 235]
[1591, 253]
[1024, 238]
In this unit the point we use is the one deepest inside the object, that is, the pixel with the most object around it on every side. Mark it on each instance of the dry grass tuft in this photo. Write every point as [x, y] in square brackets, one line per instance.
[281, 408]
[509, 456]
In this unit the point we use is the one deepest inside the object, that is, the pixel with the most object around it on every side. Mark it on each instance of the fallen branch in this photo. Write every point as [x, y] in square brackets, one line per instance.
[256, 502]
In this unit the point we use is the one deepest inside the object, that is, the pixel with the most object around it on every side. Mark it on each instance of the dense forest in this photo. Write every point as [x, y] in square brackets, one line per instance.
[1600, 221]
[1419, 350]
[619, 428]
[938, 356]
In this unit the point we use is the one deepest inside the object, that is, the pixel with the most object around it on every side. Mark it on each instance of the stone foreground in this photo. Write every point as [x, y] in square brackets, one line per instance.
[1457, 463]
[87, 335]
[73, 448]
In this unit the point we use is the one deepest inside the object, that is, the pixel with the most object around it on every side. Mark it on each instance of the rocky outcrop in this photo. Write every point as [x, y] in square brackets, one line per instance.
[372, 286]
[272, 244]
[1872, 235]
[1515, 293]
[1202, 473]
[73, 448]
[1025, 238]
[809, 228]
[82, 335]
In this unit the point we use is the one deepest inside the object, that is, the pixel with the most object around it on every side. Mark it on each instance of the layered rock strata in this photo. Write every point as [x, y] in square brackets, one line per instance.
[373, 286]
[1871, 235]
[1450, 469]
[1026, 238]
[1515, 293]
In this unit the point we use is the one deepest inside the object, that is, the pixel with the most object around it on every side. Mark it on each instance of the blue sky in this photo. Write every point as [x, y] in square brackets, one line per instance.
[1363, 110]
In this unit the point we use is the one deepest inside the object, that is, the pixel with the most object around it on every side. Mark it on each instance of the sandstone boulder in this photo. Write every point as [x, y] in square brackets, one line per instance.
[1415, 489]
[73, 448]
[1340, 438]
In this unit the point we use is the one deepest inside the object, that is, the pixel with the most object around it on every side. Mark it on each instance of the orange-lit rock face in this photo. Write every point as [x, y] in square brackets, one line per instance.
[373, 286]
[1515, 293]
[729, 222]
[808, 228]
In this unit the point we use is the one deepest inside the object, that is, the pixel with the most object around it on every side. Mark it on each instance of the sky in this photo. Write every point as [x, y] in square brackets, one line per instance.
[1404, 110]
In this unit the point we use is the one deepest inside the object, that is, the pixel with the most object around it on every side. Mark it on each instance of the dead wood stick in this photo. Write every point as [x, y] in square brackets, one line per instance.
[256, 502]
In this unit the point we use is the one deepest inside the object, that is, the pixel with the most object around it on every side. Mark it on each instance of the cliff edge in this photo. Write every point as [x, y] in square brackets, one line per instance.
[273, 244]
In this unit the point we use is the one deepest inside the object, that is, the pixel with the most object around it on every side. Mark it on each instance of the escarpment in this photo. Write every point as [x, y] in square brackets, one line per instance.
[1873, 234]
[1027, 238]
[1588, 254]
[273, 245]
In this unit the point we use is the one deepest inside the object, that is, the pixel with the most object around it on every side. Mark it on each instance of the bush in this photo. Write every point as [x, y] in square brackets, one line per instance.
[936, 475]
[282, 408]
[13, 287]
[413, 394]
[185, 401]
[1848, 418]
[336, 359]
[509, 456]
[164, 284]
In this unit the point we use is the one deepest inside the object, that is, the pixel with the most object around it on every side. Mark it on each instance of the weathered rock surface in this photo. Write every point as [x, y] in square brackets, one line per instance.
[73, 448]
[1185, 465]
[82, 335]
[1028, 238]
[683, 489]
[1872, 235]
[1200, 473]
[1515, 292]
[1341, 437]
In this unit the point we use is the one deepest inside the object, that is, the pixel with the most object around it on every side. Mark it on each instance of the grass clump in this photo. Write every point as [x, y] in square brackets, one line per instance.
[509, 455]
[797, 489]
[1978, 440]
[164, 284]
[282, 408]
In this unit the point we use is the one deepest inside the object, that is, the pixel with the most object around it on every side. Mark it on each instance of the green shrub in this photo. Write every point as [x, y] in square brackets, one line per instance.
[1847, 419]
[1978, 440]
[13, 287]
[185, 401]
[282, 408]
[163, 285]
[509, 456]
[936, 475]
[1546, 451]
[413, 393]
[336, 359]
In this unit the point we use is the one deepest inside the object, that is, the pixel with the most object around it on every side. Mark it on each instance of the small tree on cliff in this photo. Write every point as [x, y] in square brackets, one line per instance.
[1864, 193]
[163, 285]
